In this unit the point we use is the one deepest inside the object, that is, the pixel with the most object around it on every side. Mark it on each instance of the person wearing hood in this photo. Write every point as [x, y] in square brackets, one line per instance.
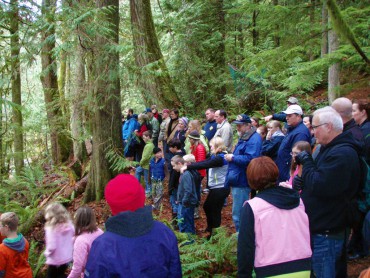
[274, 236]
[134, 244]
[14, 249]
[248, 147]
[329, 185]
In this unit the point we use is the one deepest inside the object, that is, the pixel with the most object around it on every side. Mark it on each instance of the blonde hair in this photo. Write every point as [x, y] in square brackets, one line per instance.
[11, 220]
[143, 117]
[195, 124]
[189, 158]
[56, 213]
[218, 144]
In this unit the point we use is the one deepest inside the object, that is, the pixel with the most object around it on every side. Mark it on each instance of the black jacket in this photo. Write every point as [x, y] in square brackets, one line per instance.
[330, 182]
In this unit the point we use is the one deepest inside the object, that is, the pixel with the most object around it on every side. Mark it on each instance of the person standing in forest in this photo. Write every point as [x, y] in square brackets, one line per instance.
[248, 147]
[162, 128]
[224, 129]
[155, 126]
[171, 129]
[329, 184]
[134, 244]
[14, 249]
[297, 131]
[156, 114]
[210, 127]
[143, 168]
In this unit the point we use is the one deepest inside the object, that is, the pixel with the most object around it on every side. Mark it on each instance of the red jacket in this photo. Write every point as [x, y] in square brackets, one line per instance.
[199, 152]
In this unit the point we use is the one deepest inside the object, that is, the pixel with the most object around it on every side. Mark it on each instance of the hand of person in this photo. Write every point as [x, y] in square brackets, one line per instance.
[298, 183]
[285, 184]
[269, 135]
[229, 157]
[302, 157]
[267, 118]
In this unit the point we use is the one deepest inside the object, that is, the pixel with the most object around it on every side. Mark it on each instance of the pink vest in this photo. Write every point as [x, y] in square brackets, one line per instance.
[280, 235]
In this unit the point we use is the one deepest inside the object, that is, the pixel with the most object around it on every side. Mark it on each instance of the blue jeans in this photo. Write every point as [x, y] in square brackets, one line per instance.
[240, 195]
[327, 256]
[185, 216]
[173, 200]
[140, 171]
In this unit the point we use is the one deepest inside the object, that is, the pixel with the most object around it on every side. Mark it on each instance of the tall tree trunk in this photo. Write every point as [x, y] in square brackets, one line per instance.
[16, 87]
[106, 116]
[276, 37]
[2, 132]
[324, 28]
[153, 73]
[61, 144]
[79, 93]
[334, 70]
[254, 25]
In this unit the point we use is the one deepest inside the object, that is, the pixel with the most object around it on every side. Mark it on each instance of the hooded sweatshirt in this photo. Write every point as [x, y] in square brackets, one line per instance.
[274, 236]
[14, 258]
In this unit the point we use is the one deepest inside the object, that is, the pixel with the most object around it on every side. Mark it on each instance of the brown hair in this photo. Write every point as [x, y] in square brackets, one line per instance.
[262, 173]
[178, 159]
[148, 133]
[85, 221]
[363, 105]
[302, 146]
[56, 213]
[11, 220]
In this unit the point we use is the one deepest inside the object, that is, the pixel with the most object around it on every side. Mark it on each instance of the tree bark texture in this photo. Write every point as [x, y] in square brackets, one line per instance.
[61, 144]
[324, 24]
[334, 69]
[79, 93]
[16, 87]
[153, 74]
[106, 114]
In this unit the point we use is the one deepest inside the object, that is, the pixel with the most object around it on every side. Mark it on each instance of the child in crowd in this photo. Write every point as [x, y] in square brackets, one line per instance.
[14, 249]
[174, 147]
[296, 169]
[156, 168]
[186, 195]
[86, 232]
[59, 233]
[143, 169]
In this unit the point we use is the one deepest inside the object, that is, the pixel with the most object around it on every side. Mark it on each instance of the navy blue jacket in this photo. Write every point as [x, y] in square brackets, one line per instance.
[270, 147]
[244, 152]
[187, 192]
[210, 128]
[134, 245]
[330, 182]
[297, 133]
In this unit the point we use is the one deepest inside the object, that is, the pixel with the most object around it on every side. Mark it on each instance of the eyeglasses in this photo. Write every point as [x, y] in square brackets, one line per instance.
[294, 153]
[316, 126]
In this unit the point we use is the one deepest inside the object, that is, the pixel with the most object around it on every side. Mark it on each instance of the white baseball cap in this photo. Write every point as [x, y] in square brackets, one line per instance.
[294, 109]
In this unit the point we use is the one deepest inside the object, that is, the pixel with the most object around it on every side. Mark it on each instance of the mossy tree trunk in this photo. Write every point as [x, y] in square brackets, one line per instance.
[16, 87]
[324, 28]
[334, 69]
[61, 143]
[153, 74]
[106, 113]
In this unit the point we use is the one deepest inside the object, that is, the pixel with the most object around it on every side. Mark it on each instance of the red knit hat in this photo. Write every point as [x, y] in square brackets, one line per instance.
[123, 193]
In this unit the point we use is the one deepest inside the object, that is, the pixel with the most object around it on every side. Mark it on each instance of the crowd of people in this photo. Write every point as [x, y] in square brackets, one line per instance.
[296, 183]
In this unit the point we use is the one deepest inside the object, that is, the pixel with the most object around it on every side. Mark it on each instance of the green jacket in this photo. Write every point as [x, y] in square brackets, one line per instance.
[147, 154]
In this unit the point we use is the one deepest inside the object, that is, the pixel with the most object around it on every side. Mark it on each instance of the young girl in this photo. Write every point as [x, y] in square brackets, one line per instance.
[295, 169]
[59, 233]
[86, 232]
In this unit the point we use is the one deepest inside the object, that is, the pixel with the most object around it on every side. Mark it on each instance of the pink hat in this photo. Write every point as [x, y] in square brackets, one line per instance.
[166, 111]
[124, 193]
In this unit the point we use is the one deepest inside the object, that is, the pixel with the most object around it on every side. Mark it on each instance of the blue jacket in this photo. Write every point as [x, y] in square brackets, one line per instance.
[330, 182]
[296, 133]
[270, 147]
[134, 245]
[157, 169]
[245, 150]
[129, 127]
